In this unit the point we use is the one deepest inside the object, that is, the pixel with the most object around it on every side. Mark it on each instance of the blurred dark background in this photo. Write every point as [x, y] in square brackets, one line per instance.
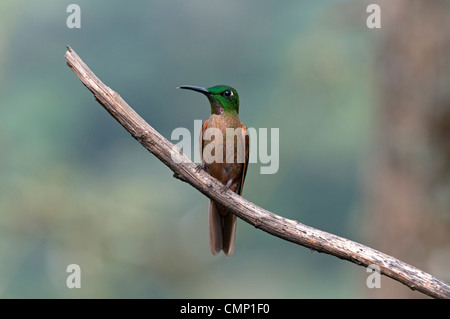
[364, 119]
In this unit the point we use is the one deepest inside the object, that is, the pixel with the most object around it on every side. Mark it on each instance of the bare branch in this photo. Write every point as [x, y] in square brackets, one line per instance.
[291, 230]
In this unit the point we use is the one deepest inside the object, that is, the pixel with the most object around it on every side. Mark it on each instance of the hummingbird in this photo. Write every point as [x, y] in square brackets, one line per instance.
[230, 169]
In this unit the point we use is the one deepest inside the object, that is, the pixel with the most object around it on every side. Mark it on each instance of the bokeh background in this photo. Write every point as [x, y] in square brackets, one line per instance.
[364, 119]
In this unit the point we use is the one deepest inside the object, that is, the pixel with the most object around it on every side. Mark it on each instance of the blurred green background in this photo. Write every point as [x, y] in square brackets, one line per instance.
[76, 188]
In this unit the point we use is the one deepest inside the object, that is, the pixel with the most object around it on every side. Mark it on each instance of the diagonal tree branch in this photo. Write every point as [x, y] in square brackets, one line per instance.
[269, 222]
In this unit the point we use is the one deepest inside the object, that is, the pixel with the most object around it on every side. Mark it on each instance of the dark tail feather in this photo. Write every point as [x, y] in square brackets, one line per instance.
[229, 233]
[215, 229]
[222, 230]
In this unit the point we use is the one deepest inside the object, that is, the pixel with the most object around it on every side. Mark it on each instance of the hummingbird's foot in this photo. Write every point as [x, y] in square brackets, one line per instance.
[226, 187]
[199, 168]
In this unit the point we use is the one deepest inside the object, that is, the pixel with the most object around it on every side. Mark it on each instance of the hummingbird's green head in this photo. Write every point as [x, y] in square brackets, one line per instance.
[223, 98]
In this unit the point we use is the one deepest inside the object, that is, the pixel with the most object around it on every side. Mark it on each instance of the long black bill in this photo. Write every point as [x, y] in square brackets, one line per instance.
[195, 88]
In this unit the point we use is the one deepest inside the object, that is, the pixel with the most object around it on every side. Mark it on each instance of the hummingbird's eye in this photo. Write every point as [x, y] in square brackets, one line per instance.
[227, 93]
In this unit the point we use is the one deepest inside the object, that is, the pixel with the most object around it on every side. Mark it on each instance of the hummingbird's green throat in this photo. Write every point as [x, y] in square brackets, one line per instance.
[223, 98]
